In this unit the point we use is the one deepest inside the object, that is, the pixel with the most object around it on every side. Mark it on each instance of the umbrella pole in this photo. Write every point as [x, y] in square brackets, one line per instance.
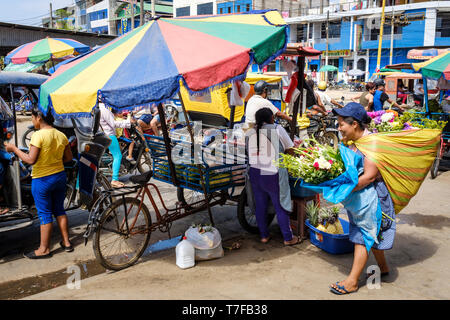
[16, 159]
[167, 143]
[301, 79]
[199, 166]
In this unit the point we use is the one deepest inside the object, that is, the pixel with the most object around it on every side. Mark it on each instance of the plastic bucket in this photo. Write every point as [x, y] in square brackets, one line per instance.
[331, 243]
[298, 191]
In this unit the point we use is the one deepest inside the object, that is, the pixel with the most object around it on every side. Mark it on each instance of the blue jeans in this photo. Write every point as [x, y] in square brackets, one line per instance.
[114, 148]
[49, 193]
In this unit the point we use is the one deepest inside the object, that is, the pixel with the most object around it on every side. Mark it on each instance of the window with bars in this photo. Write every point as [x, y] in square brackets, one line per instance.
[334, 30]
[302, 30]
[184, 11]
[443, 25]
[375, 32]
[205, 8]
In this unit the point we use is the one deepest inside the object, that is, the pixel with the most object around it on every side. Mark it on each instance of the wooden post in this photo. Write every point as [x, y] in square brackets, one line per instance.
[167, 143]
[141, 14]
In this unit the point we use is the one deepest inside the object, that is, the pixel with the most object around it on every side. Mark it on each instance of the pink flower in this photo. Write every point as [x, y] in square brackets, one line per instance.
[330, 161]
[316, 165]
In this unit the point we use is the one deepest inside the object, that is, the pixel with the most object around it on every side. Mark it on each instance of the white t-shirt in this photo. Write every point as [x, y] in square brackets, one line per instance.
[255, 103]
[268, 151]
[417, 88]
[326, 100]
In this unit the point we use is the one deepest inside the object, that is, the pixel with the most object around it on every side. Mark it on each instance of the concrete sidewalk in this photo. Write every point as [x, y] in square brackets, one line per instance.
[419, 264]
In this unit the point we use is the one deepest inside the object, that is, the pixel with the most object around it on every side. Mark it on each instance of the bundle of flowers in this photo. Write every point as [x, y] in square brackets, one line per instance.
[314, 163]
[388, 120]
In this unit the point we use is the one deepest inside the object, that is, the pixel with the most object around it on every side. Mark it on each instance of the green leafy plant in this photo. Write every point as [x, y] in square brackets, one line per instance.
[312, 212]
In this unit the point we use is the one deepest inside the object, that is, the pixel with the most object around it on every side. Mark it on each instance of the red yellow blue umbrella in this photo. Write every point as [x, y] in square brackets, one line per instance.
[147, 64]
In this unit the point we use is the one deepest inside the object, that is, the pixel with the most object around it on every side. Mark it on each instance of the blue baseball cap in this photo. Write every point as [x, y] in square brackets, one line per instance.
[352, 109]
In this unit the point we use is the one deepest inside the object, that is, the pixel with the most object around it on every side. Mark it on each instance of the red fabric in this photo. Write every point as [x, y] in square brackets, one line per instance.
[403, 96]
[292, 86]
[197, 60]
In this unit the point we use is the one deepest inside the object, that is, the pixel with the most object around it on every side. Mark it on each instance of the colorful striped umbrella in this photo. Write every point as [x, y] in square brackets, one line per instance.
[424, 54]
[45, 49]
[146, 65]
[435, 68]
[403, 159]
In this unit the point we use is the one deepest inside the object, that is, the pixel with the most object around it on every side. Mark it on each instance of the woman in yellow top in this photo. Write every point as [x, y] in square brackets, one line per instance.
[49, 149]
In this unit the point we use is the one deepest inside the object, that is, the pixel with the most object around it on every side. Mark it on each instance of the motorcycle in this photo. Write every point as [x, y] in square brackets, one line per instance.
[142, 159]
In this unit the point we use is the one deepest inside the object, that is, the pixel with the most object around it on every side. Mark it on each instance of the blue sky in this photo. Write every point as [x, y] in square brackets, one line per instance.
[29, 12]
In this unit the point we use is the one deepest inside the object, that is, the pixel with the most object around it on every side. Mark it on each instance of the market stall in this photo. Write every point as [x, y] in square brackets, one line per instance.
[201, 53]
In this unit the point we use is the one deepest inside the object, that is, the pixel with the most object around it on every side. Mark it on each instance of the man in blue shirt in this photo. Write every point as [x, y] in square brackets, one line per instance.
[380, 97]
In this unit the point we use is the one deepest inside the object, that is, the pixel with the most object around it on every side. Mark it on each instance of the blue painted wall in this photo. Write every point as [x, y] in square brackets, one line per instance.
[442, 41]
[399, 56]
[412, 36]
[337, 43]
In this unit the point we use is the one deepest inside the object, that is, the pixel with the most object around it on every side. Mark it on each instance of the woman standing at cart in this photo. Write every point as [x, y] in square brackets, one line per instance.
[49, 149]
[265, 142]
[352, 119]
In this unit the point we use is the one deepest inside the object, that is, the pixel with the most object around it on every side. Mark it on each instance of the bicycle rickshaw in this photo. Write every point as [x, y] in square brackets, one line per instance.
[201, 60]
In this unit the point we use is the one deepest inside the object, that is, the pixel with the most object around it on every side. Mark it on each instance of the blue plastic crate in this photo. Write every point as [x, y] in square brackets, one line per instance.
[298, 191]
[331, 243]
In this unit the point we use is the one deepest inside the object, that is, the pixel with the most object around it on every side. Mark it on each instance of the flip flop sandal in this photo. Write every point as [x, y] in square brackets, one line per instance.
[265, 240]
[32, 255]
[294, 243]
[118, 185]
[336, 291]
[66, 249]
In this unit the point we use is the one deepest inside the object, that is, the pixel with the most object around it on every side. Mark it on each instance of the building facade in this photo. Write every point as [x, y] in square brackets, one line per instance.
[112, 17]
[354, 31]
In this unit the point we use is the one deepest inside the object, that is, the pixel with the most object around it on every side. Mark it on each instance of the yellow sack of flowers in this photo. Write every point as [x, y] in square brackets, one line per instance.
[403, 159]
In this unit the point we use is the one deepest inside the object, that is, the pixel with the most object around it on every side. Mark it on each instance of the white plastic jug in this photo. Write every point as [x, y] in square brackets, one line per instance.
[185, 253]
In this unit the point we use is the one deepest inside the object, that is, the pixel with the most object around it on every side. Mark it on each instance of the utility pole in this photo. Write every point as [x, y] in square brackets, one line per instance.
[141, 15]
[153, 8]
[392, 36]
[326, 57]
[380, 41]
[51, 16]
[132, 14]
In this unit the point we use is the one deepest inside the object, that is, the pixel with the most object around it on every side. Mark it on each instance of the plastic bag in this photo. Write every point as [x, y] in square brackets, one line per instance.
[209, 254]
[206, 240]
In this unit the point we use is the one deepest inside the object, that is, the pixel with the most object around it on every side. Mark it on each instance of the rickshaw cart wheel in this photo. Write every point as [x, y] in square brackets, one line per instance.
[247, 218]
[116, 244]
[435, 166]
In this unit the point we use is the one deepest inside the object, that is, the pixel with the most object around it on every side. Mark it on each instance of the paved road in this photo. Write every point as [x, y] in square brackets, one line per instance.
[419, 261]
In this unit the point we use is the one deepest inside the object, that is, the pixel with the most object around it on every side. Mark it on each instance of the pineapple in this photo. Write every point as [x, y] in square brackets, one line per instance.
[329, 221]
[312, 212]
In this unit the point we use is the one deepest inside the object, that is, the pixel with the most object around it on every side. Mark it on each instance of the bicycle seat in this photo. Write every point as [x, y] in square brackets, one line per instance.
[142, 179]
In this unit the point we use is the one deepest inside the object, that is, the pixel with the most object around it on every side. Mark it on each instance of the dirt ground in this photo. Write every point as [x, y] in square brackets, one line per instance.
[419, 260]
